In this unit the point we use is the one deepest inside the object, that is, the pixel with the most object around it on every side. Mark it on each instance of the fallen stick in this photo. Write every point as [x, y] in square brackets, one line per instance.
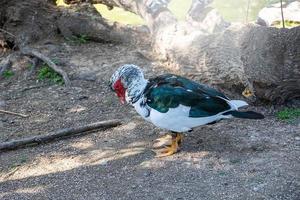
[12, 113]
[58, 134]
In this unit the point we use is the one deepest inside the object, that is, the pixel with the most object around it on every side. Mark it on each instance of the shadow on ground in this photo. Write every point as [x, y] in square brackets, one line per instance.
[224, 161]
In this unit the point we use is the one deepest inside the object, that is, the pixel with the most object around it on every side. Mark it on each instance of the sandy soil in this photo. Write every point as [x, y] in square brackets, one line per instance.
[233, 159]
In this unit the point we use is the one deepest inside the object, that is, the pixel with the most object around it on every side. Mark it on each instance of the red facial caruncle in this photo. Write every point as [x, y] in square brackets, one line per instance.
[120, 90]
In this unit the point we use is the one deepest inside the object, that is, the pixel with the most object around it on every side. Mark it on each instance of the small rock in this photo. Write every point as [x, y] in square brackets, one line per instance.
[2, 103]
[87, 76]
[297, 138]
[134, 186]
[255, 189]
[147, 173]
[103, 162]
[82, 97]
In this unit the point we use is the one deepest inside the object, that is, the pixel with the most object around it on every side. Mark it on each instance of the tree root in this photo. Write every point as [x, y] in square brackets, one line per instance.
[34, 62]
[62, 133]
[51, 64]
[5, 64]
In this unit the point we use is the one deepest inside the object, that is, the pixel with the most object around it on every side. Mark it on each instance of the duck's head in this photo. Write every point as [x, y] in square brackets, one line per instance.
[128, 83]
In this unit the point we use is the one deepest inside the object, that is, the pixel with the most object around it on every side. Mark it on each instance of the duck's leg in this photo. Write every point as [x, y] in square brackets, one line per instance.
[172, 148]
[163, 141]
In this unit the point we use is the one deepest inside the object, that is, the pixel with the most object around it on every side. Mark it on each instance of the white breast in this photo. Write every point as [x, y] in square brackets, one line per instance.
[176, 119]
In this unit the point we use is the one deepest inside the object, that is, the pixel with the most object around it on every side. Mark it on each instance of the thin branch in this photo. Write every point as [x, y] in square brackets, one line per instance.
[282, 18]
[9, 33]
[33, 52]
[12, 113]
[61, 133]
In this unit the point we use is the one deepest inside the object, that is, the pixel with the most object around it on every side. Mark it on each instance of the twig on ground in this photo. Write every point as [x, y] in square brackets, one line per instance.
[12, 113]
[9, 33]
[58, 134]
[51, 64]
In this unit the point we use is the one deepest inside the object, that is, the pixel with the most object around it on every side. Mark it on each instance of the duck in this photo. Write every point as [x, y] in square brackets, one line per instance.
[174, 103]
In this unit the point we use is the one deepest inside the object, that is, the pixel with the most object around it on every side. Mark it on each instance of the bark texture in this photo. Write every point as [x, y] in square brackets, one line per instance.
[258, 62]
[40, 20]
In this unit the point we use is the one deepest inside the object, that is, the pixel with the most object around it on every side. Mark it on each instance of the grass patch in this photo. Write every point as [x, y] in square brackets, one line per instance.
[8, 74]
[287, 23]
[29, 66]
[81, 39]
[47, 73]
[288, 114]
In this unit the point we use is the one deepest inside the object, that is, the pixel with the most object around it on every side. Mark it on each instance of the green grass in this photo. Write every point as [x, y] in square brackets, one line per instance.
[231, 10]
[180, 8]
[47, 73]
[81, 39]
[287, 23]
[288, 114]
[8, 74]
[29, 66]
[119, 15]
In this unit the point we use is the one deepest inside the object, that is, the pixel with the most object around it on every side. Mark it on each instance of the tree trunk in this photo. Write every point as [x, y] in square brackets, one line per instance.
[258, 62]
[27, 22]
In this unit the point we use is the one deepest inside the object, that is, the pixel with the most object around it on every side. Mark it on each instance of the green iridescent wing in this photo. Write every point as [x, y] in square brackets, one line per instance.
[170, 91]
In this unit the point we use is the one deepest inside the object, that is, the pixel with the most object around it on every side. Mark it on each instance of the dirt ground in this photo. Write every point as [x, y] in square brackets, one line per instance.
[232, 159]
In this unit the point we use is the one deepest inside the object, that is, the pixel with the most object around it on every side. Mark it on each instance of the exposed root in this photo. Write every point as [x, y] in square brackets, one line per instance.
[33, 52]
[5, 64]
[34, 63]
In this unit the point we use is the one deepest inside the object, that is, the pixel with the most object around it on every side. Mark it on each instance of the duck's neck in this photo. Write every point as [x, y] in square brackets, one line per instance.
[136, 89]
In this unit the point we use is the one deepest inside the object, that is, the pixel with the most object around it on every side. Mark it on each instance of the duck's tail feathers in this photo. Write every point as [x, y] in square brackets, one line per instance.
[245, 115]
[238, 103]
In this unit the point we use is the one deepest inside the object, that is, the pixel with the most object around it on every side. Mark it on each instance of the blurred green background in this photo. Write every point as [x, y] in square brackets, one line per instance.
[231, 10]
